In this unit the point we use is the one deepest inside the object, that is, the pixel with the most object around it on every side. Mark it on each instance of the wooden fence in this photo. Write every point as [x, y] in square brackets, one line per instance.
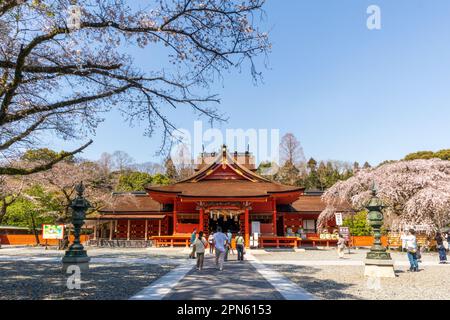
[30, 239]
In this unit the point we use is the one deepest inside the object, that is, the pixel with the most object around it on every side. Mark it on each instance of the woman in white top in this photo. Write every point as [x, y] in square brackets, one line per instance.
[411, 247]
[211, 243]
[200, 245]
[403, 238]
[341, 246]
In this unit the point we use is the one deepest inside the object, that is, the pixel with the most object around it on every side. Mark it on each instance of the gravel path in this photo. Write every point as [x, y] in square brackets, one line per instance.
[39, 280]
[349, 283]
[35, 273]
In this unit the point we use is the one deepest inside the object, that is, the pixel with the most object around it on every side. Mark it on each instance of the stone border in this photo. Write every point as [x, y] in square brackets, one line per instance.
[288, 289]
[160, 288]
[356, 263]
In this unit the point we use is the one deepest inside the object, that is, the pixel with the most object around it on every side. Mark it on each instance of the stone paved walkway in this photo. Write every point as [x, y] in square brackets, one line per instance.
[237, 281]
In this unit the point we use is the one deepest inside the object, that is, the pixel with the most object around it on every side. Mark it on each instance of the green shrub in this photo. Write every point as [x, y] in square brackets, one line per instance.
[358, 224]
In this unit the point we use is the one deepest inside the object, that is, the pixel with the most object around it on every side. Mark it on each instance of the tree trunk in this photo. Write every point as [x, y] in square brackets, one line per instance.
[3, 211]
[33, 225]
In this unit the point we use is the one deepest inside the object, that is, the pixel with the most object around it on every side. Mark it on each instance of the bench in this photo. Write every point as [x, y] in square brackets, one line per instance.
[316, 241]
[277, 242]
[171, 241]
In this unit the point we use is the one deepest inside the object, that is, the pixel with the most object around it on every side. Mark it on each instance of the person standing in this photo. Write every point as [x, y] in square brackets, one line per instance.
[440, 246]
[192, 241]
[228, 246]
[411, 248]
[240, 246]
[211, 243]
[447, 241]
[220, 241]
[193, 236]
[200, 246]
[341, 246]
[230, 239]
[403, 239]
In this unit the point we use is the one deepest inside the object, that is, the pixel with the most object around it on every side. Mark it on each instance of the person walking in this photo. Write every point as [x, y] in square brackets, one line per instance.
[192, 241]
[403, 239]
[411, 248]
[200, 245]
[440, 246]
[240, 246]
[220, 241]
[341, 246]
[447, 241]
[211, 243]
[228, 246]
[230, 239]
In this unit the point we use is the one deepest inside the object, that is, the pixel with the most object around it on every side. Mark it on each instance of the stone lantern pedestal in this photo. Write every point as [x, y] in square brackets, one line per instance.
[379, 268]
[378, 263]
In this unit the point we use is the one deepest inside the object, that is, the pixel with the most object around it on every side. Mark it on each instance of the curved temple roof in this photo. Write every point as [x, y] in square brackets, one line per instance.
[225, 178]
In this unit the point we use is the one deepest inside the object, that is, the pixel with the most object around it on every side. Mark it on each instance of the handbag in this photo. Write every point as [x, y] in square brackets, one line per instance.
[412, 250]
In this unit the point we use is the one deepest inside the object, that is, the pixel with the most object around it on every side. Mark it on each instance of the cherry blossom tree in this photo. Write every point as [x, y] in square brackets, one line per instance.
[64, 63]
[415, 192]
[62, 178]
[10, 190]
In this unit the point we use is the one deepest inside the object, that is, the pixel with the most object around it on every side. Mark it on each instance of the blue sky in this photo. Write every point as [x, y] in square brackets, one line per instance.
[346, 92]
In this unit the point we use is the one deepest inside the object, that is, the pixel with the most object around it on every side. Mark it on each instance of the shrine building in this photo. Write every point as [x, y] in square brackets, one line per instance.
[225, 191]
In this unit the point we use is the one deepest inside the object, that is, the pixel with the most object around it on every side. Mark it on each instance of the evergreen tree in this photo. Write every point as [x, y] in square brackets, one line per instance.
[312, 181]
[171, 170]
[133, 181]
[288, 174]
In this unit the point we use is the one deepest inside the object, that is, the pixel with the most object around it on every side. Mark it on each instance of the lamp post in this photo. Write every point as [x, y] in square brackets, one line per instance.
[378, 262]
[375, 217]
[76, 254]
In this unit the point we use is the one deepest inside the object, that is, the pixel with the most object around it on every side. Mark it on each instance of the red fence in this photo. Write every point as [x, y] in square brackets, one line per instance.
[367, 241]
[29, 239]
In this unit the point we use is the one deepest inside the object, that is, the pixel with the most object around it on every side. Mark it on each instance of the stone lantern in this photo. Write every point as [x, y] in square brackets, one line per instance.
[378, 261]
[76, 254]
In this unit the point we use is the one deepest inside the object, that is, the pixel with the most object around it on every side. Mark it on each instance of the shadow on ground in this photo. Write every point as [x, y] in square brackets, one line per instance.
[42, 281]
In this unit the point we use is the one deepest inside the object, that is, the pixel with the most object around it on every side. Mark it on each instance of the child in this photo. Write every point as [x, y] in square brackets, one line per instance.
[419, 252]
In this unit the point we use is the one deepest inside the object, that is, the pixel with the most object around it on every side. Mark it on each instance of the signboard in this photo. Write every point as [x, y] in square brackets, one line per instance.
[256, 227]
[51, 231]
[339, 220]
[345, 232]
[254, 240]
[417, 227]
[328, 236]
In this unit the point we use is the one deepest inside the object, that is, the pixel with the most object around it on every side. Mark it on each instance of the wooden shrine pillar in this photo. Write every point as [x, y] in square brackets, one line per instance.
[111, 227]
[247, 228]
[175, 222]
[274, 218]
[146, 230]
[202, 214]
[159, 228]
[128, 230]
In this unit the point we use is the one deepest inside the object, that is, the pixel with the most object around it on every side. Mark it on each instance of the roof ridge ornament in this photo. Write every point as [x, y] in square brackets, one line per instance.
[224, 156]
